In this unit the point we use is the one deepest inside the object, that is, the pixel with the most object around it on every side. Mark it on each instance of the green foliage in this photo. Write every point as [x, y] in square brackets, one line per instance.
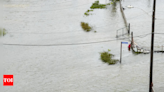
[96, 5]
[85, 26]
[2, 32]
[86, 14]
[89, 10]
[107, 58]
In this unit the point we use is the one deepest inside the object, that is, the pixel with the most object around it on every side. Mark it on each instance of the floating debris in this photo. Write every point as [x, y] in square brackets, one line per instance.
[130, 6]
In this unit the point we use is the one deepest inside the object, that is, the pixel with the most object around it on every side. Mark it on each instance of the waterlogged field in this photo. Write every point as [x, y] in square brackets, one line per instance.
[44, 67]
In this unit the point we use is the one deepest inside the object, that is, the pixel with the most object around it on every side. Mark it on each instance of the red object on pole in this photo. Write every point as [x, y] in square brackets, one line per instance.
[129, 47]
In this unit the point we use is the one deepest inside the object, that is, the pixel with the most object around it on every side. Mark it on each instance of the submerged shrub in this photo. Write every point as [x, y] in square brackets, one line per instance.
[97, 5]
[107, 58]
[85, 26]
[2, 32]
[87, 12]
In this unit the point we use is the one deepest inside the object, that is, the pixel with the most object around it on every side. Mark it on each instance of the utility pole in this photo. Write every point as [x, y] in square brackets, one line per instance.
[132, 39]
[129, 29]
[152, 48]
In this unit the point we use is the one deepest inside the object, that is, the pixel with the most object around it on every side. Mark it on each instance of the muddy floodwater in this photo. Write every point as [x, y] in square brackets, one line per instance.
[51, 58]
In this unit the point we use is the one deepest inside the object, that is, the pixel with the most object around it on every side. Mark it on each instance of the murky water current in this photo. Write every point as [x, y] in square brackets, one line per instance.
[75, 68]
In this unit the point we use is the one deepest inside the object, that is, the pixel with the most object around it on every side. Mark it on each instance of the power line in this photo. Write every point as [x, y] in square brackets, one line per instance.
[159, 33]
[65, 2]
[60, 44]
[141, 36]
[49, 4]
[27, 1]
[146, 13]
[143, 10]
[51, 10]
[74, 43]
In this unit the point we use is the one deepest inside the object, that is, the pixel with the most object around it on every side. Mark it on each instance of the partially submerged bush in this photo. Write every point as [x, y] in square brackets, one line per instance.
[85, 26]
[87, 12]
[97, 5]
[2, 32]
[107, 58]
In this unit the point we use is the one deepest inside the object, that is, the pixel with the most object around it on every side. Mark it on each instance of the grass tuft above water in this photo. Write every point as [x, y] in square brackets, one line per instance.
[87, 12]
[108, 58]
[85, 26]
[2, 32]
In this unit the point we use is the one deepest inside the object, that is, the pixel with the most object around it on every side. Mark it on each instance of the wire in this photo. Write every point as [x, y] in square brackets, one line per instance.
[137, 16]
[65, 2]
[146, 13]
[42, 5]
[51, 10]
[143, 10]
[29, 1]
[147, 34]
[60, 44]
[142, 36]
[76, 43]
[159, 33]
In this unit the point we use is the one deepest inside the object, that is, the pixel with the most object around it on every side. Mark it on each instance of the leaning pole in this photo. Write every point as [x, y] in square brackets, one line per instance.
[152, 48]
